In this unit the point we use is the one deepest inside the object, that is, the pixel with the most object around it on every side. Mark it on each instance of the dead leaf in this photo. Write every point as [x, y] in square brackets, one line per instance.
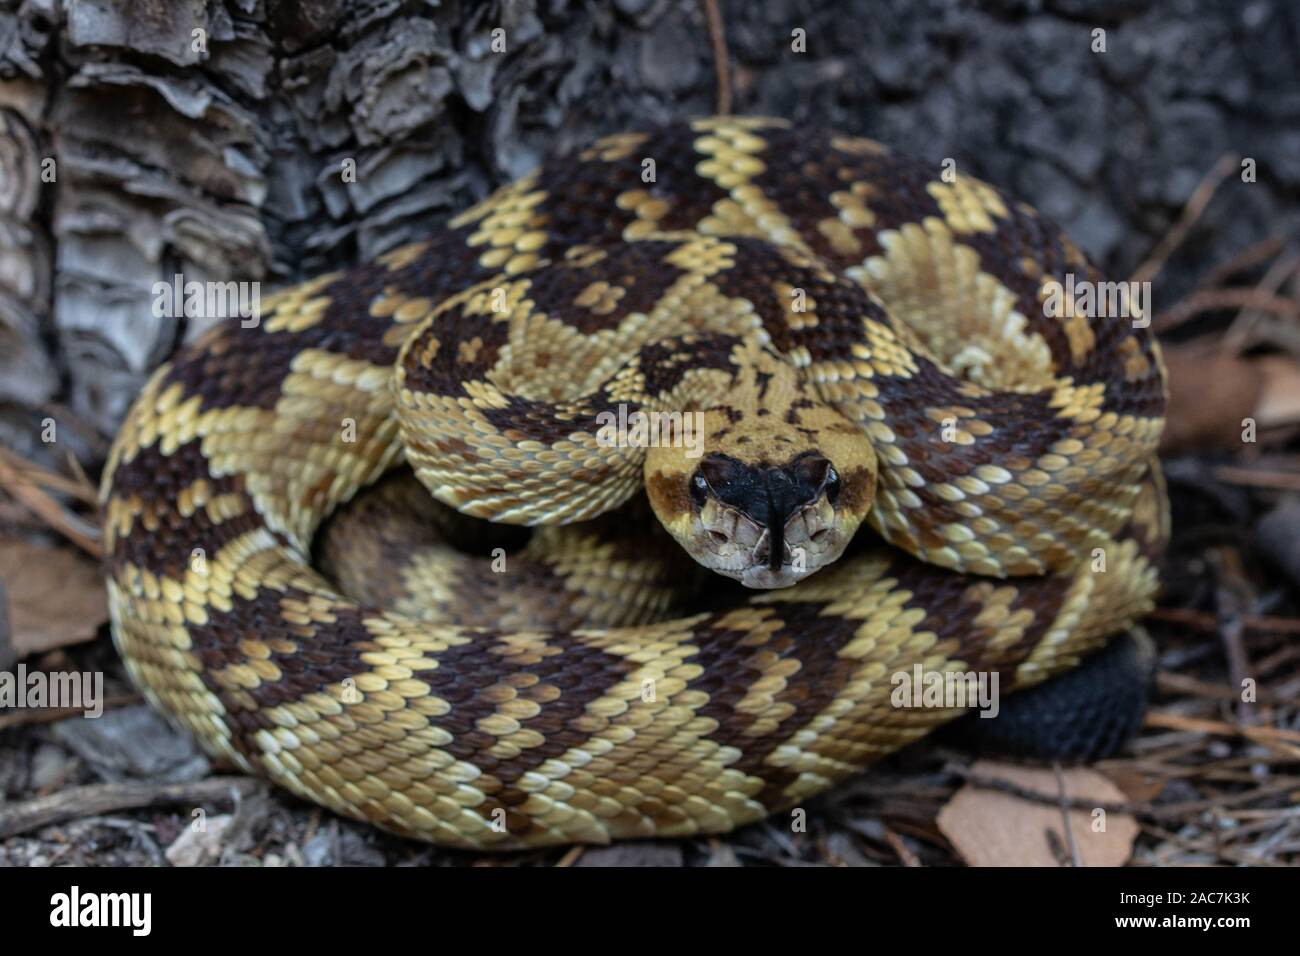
[201, 842]
[1211, 394]
[1279, 399]
[993, 828]
[1139, 786]
[56, 596]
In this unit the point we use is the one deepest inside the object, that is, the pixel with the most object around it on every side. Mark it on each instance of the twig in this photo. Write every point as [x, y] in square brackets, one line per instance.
[721, 61]
[1208, 300]
[1253, 255]
[1287, 741]
[17, 483]
[1233, 596]
[1283, 655]
[1258, 477]
[1273, 842]
[99, 798]
[1170, 811]
[88, 433]
[78, 487]
[1175, 811]
[571, 856]
[1170, 683]
[89, 493]
[1036, 796]
[1222, 853]
[1200, 198]
[896, 843]
[7, 653]
[1075, 859]
[1204, 621]
[42, 715]
[1239, 331]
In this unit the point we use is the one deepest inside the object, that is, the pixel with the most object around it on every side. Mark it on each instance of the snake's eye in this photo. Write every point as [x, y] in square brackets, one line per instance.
[699, 489]
[832, 484]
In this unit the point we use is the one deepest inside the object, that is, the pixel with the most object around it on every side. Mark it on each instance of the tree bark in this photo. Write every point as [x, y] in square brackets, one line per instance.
[139, 140]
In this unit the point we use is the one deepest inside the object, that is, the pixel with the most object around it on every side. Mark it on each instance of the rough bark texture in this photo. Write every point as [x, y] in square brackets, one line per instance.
[133, 148]
[208, 138]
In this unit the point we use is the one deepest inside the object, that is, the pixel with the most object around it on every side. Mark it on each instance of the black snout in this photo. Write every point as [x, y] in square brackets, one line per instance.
[769, 494]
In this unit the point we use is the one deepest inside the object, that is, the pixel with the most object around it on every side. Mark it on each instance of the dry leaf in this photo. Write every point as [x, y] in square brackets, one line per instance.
[993, 828]
[1210, 396]
[1139, 786]
[1279, 399]
[200, 845]
[55, 596]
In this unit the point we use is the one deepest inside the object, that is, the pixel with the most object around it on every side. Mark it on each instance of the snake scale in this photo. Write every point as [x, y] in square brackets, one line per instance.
[864, 341]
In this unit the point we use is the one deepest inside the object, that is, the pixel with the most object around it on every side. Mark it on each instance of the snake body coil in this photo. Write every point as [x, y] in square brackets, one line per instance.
[865, 342]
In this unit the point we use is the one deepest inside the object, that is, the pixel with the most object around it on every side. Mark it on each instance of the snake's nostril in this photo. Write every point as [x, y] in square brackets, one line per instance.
[718, 537]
